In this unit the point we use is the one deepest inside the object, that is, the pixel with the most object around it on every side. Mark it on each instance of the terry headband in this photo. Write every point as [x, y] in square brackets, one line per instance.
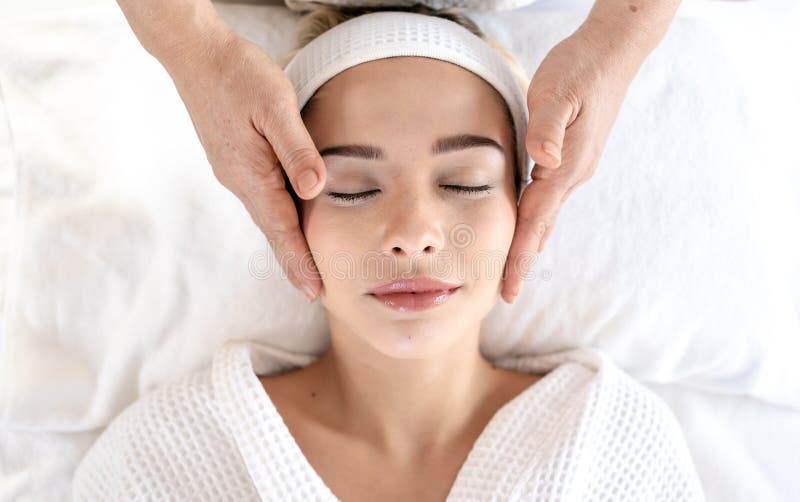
[385, 34]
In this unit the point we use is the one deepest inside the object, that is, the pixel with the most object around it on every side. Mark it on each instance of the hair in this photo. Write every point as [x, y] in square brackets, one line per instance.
[319, 18]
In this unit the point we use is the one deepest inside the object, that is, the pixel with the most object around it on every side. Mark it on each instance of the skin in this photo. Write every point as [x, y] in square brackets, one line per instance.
[403, 392]
[244, 110]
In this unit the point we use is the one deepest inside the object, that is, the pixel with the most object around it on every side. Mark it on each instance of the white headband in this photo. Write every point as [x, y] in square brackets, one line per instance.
[379, 35]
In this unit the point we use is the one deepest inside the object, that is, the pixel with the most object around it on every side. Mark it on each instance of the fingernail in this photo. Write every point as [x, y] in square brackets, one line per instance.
[551, 148]
[307, 180]
[308, 292]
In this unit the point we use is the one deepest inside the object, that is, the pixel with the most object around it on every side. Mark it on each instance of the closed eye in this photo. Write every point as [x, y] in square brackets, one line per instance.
[466, 189]
[352, 197]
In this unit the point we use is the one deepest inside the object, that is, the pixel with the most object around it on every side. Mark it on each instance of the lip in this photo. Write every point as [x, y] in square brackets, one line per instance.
[412, 295]
[415, 285]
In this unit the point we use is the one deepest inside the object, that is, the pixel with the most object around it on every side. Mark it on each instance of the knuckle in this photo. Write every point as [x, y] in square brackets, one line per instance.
[534, 223]
[595, 152]
[547, 94]
[553, 95]
[299, 156]
[281, 231]
[227, 176]
[587, 175]
[585, 169]
[283, 105]
[262, 183]
[221, 175]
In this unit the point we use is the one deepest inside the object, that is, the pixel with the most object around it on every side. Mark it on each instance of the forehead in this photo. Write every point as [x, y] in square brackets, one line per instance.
[405, 100]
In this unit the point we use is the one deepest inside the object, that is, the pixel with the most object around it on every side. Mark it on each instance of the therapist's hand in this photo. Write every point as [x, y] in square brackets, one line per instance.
[246, 114]
[573, 101]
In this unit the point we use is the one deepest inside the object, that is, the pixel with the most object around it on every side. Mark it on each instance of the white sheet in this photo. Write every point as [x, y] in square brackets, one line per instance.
[744, 449]
[115, 279]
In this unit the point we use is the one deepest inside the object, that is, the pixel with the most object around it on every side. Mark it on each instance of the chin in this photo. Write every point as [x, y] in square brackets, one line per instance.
[413, 339]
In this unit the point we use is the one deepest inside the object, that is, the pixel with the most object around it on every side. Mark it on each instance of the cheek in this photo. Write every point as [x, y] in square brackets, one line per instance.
[335, 243]
[492, 229]
[494, 224]
[321, 229]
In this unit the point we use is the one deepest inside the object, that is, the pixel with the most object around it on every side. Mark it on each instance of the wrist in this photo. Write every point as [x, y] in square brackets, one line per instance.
[625, 32]
[178, 33]
[613, 52]
[199, 42]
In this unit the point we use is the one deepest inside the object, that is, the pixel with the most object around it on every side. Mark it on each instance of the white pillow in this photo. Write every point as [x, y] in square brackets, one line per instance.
[130, 263]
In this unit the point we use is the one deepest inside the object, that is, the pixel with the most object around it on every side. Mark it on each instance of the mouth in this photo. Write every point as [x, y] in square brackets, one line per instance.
[415, 301]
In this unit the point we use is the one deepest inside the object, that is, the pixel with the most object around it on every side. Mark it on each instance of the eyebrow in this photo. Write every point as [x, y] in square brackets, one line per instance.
[442, 145]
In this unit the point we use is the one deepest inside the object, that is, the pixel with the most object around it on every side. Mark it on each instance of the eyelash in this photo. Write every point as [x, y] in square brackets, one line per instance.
[350, 197]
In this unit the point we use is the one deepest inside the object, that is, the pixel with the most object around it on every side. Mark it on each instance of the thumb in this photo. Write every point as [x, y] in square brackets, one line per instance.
[297, 154]
[549, 118]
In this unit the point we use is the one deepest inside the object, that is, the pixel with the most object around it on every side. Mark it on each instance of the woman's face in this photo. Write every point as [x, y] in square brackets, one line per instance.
[409, 216]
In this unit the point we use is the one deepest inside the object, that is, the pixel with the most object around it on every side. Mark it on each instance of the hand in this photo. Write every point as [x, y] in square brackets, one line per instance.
[245, 112]
[573, 101]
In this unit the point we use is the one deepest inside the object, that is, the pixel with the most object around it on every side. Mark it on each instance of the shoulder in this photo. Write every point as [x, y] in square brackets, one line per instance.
[179, 441]
[616, 432]
[639, 441]
[172, 442]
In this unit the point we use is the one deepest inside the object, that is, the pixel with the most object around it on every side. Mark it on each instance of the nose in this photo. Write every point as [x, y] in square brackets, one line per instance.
[413, 229]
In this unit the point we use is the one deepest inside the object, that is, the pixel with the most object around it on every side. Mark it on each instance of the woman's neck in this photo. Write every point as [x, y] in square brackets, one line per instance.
[409, 408]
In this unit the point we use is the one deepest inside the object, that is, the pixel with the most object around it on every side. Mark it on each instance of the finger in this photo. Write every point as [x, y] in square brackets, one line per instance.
[296, 152]
[265, 194]
[539, 206]
[547, 232]
[552, 225]
[549, 117]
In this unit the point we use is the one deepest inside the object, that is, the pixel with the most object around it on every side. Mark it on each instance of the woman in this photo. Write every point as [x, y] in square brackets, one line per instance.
[410, 237]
